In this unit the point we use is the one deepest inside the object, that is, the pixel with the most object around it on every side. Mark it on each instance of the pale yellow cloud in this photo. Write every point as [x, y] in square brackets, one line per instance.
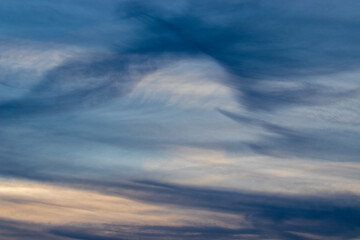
[58, 205]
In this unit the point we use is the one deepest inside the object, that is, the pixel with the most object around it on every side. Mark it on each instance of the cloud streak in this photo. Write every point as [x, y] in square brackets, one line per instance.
[264, 216]
[109, 100]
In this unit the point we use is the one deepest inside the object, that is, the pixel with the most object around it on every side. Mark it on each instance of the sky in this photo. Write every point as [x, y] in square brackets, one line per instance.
[205, 119]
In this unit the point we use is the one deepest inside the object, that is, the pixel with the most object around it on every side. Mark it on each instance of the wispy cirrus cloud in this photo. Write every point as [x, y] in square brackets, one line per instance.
[249, 214]
[195, 120]
[250, 48]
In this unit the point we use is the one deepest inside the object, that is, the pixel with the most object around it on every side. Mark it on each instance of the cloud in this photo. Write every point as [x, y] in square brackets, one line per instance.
[316, 144]
[289, 213]
[256, 42]
[81, 123]
[260, 215]
[213, 168]
[187, 84]
[79, 84]
[16, 230]
[262, 43]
